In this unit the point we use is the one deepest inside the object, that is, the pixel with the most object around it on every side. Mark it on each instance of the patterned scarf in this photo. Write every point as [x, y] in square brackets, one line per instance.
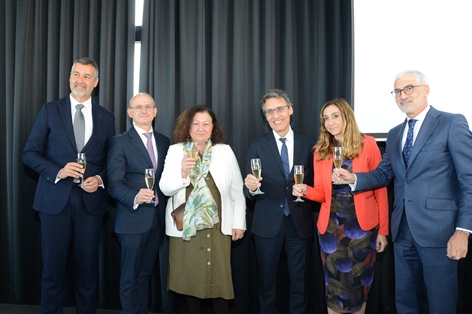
[200, 210]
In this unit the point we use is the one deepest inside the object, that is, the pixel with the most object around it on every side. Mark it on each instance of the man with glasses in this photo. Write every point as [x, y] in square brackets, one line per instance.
[428, 157]
[139, 221]
[280, 225]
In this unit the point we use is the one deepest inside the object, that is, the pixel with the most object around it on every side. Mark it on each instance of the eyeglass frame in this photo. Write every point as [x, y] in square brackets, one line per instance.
[279, 109]
[398, 92]
[141, 107]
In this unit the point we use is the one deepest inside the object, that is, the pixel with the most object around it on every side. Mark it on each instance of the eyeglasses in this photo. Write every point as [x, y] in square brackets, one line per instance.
[141, 107]
[408, 90]
[270, 112]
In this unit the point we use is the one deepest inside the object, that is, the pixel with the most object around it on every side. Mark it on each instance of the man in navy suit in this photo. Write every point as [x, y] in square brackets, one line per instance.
[71, 214]
[139, 221]
[432, 218]
[279, 224]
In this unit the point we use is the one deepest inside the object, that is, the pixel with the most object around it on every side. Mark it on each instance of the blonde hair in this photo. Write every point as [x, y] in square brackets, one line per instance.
[351, 136]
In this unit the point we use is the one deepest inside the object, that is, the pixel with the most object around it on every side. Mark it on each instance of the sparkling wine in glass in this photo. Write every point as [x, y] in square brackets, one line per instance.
[256, 171]
[298, 175]
[149, 179]
[194, 151]
[337, 159]
[82, 160]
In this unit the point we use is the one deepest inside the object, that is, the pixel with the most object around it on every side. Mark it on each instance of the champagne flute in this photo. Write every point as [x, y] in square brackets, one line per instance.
[337, 159]
[256, 171]
[298, 175]
[194, 151]
[149, 179]
[82, 160]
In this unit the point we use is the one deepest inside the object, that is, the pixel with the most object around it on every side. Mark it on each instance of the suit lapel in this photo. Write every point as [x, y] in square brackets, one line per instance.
[65, 114]
[161, 152]
[97, 121]
[427, 128]
[272, 147]
[136, 140]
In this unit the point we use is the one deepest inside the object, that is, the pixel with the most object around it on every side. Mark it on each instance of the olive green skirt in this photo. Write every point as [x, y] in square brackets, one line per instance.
[201, 267]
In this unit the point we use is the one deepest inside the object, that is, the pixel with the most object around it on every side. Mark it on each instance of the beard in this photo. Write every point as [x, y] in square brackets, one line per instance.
[80, 94]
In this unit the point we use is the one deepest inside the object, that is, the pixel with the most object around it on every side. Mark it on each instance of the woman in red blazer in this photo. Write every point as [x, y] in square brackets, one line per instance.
[352, 228]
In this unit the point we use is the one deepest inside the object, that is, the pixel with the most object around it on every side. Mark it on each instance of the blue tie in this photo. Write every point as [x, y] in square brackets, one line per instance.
[286, 165]
[408, 147]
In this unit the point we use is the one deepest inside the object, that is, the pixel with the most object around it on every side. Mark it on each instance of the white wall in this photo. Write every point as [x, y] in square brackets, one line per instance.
[432, 36]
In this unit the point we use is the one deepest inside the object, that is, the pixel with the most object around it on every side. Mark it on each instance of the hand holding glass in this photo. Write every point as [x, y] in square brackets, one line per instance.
[82, 160]
[256, 171]
[298, 175]
[337, 159]
[149, 179]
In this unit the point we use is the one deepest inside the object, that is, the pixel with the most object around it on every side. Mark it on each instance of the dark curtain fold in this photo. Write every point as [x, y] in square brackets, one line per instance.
[40, 39]
[226, 54]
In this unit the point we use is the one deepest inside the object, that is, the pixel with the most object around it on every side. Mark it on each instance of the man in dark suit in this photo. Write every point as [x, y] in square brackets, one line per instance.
[71, 213]
[279, 224]
[139, 224]
[430, 160]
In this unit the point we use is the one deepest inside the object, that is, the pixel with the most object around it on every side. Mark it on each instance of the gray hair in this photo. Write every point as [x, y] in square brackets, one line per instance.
[86, 61]
[275, 93]
[420, 76]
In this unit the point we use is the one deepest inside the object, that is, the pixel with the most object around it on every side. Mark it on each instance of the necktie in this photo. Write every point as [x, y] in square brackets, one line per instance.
[408, 147]
[150, 149]
[284, 156]
[153, 159]
[79, 127]
[286, 165]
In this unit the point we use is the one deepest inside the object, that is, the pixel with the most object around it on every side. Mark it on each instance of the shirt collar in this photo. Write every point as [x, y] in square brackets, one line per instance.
[422, 115]
[141, 131]
[87, 104]
[288, 136]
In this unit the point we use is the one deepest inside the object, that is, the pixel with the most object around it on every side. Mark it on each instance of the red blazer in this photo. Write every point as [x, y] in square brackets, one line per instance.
[371, 205]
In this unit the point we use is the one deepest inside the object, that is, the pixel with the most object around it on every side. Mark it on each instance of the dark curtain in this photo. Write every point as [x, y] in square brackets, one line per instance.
[226, 54]
[39, 40]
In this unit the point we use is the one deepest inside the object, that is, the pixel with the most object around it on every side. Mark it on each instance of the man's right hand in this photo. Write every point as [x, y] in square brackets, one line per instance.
[252, 183]
[343, 176]
[71, 169]
[144, 195]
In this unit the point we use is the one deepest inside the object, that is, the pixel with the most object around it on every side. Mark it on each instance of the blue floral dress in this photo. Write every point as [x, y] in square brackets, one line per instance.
[347, 253]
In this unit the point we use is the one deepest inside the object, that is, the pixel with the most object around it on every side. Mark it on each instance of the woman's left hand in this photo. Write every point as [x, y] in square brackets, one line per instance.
[381, 243]
[237, 234]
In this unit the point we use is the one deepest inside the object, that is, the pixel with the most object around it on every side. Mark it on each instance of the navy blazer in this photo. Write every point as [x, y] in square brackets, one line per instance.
[435, 191]
[51, 145]
[268, 211]
[127, 159]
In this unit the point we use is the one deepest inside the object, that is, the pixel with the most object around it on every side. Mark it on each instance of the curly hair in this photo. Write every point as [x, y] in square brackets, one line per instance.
[351, 136]
[184, 122]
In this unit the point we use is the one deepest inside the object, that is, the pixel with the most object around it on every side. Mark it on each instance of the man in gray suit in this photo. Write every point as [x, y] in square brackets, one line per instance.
[430, 160]
[139, 221]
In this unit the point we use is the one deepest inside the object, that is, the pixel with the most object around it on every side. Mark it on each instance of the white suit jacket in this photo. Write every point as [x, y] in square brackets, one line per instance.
[225, 171]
